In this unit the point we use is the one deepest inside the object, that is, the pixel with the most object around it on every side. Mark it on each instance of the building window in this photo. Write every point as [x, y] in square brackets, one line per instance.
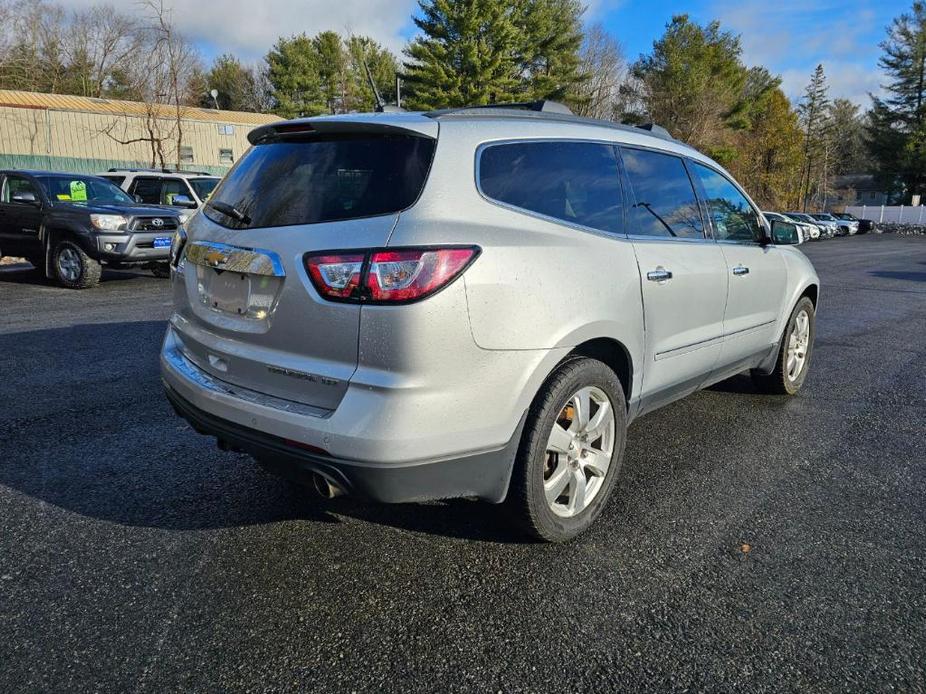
[226, 129]
[226, 156]
[186, 155]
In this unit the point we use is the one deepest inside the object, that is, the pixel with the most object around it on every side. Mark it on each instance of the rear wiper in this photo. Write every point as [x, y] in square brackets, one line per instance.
[229, 210]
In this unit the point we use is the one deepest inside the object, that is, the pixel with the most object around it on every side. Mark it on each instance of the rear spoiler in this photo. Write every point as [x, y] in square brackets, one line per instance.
[364, 124]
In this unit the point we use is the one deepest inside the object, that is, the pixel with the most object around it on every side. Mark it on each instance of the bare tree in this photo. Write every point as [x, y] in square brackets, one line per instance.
[99, 41]
[602, 60]
[179, 62]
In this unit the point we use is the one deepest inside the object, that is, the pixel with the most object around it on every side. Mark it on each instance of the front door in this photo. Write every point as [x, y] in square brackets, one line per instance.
[757, 273]
[683, 277]
[20, 217]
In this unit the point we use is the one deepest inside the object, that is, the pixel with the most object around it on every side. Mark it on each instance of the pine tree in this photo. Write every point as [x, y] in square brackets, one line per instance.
[465, 54]
[897, 123]
[294, 76]
[234, 83]
[493, 51]
[551, 37]
[813, 111]
[848, 137]
[692, 83]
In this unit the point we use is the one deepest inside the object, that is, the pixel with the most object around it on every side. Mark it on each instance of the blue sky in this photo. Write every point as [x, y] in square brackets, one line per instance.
[787, 36]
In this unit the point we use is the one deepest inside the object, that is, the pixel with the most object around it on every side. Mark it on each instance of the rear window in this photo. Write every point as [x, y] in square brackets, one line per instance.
[576, 182]
[322, 180]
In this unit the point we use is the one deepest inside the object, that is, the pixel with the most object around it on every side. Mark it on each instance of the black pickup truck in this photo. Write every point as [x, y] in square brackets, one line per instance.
[70, 225]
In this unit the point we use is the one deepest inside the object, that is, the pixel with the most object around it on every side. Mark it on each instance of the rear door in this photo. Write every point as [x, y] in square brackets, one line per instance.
[757, 274]
[683, 276]
[249, 313]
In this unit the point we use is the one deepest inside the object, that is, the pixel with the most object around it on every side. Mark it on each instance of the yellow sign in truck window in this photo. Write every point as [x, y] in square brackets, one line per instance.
[78, 191]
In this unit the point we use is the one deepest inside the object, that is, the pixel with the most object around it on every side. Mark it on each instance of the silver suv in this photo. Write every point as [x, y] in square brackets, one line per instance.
[182, 189]
[473, 303]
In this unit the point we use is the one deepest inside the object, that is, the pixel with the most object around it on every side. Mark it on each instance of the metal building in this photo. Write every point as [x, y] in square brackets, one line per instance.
[73, 133]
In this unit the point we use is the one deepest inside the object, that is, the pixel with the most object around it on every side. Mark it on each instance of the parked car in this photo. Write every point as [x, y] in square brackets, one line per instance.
[184, 189]
[855, 224]
[827, 231]
[808, 231]
[70, 225]
[842, 228]
[473, 303]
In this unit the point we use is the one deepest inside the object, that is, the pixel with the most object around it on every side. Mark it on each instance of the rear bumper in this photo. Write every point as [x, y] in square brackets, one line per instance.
[297, 439]
[485, 475]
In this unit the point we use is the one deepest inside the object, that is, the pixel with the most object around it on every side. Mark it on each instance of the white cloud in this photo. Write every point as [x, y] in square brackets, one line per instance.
[249, 29]
[790, 38]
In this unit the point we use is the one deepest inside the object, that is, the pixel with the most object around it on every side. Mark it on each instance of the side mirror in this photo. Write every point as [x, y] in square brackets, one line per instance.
[25, 197]
[181, 200]
[785, 233]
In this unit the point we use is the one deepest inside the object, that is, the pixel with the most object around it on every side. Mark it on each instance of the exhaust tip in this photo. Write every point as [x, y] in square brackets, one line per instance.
[325, 488]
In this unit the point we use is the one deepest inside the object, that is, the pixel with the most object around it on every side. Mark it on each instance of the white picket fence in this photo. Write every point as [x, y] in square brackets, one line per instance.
[907, 214]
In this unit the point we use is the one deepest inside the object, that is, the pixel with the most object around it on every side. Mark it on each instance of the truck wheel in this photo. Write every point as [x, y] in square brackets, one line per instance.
[75, 269]
[571, 451]
[793, 354]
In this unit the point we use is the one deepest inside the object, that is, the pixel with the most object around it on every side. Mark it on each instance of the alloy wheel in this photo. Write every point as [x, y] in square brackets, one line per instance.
[69, 264]
[578, 452]
[798, 345]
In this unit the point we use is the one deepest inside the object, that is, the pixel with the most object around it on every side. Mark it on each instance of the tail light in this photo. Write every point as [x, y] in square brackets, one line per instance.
[387, 276]
[336, 276]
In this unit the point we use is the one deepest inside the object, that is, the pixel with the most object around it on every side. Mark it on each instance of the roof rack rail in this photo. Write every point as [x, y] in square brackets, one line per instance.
[655, 130]
[117, 169]
[541, 106]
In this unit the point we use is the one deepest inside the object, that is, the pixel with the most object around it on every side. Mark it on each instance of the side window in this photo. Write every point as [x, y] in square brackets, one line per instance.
[732, 217]
[664, 200]
[148, 189]
[16, 184]
[172, 187]
[577, 182]
[117, 180]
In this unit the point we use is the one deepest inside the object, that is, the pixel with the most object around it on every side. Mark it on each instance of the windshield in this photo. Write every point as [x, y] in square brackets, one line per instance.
[203, 187]
[322, 180]
[83, 190]
[823, 217]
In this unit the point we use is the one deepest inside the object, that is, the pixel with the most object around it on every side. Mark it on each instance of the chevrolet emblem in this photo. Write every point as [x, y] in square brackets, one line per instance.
[216, 258]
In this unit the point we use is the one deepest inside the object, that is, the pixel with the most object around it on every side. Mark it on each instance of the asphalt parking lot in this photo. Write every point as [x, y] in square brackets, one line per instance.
[134, 556]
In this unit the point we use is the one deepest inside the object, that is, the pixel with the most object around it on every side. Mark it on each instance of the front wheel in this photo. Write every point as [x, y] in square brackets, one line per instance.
[571, 451]
[793, 354]
[75, 269]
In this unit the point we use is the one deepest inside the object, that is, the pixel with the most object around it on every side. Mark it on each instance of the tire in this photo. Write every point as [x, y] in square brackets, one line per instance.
[161, 270]
[73, 268]
[785, 380]
[537, 468]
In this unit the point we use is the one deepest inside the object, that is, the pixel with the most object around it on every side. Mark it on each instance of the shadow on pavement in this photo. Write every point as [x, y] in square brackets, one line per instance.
[24, 273]
[908, 276]
[84, 427]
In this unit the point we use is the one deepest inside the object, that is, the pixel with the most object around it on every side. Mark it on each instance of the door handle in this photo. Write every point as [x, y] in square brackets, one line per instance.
[660, 274]
[740, 270]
